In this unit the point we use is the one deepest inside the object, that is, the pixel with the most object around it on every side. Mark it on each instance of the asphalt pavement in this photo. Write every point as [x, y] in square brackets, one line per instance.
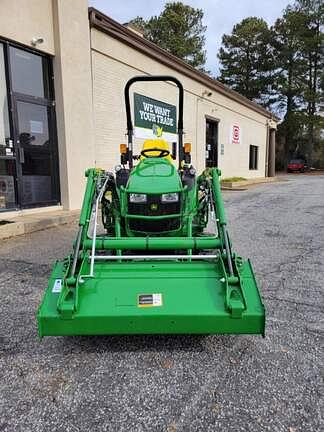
[178, 383]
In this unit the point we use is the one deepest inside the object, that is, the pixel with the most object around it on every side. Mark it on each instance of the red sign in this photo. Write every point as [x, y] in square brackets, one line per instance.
[236, 134]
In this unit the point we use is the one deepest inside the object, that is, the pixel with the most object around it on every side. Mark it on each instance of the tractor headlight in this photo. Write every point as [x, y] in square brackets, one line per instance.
[137, 198]
[170, 197]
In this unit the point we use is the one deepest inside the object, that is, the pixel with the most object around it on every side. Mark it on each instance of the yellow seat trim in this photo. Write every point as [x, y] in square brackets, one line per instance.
[158, 144]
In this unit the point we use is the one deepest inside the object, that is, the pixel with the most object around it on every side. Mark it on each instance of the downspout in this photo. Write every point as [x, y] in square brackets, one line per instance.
[266, 168]
[272, 148]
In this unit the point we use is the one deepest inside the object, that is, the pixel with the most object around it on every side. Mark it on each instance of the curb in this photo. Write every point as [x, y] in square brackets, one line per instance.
[37, 222]
[241, 184]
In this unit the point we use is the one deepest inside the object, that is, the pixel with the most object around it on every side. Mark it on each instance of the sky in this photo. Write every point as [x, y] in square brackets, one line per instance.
[219, 16]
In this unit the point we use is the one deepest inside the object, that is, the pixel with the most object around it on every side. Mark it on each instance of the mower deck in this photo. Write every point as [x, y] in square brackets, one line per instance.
[142, 297]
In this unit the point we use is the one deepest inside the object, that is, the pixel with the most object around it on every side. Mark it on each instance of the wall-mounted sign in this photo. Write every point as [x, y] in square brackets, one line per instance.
[36, 127]
[154, 119]
[235, 134]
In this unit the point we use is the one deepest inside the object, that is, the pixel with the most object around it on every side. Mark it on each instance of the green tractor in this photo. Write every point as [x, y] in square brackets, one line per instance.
[154, 269]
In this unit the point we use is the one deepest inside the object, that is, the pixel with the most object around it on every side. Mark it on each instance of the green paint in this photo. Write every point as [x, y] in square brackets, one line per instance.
[160, 174]
[155, 243]
[198, 296]
[214, 291]
[193, 301]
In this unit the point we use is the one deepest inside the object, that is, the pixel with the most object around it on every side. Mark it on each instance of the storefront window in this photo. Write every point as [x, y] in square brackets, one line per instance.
[29, 73]
[7, 163]
[7, 184]
[4, 117]
[33, 124]
[253, 159]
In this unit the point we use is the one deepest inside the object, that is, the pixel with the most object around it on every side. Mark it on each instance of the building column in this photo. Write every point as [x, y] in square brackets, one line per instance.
[73, 96]
[272, 153]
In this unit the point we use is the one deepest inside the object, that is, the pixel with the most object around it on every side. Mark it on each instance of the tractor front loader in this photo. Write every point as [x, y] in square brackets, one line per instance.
[155, 269]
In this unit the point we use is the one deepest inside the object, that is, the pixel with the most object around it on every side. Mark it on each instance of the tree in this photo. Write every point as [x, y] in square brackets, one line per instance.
[283, 68]
[246, 60]
[299, 62]
[288, 69]
[179, 30]
[312, 42]
[139, 22]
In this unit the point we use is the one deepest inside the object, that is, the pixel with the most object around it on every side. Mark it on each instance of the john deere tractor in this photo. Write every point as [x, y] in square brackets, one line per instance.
[154, 269]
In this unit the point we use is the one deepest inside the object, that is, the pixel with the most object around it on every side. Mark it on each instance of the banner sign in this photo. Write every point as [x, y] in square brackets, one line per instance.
[154, 119]
[235, 137]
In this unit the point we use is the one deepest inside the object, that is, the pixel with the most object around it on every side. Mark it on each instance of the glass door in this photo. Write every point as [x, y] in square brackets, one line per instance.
[211, 143]
[7, 153]
[36, 153]
[34, 128]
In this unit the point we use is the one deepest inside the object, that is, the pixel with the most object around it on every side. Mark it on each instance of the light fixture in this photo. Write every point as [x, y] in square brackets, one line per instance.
[137, 198]
[37, 41]
[206, 93]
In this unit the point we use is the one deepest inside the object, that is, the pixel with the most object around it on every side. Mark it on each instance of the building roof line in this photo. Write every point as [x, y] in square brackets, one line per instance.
[107, 25]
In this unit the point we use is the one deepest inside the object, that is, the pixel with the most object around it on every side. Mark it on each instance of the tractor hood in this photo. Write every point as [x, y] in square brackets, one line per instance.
[154, 175]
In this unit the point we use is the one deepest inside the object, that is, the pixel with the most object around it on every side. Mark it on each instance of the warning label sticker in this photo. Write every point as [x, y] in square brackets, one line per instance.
[149, 300]
[57, 287]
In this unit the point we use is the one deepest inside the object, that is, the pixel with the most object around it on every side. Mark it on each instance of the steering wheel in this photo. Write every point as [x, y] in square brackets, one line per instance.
[163, 152]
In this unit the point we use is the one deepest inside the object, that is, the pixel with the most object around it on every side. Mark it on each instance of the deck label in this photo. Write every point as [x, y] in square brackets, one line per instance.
[149, 300]
[57, 287]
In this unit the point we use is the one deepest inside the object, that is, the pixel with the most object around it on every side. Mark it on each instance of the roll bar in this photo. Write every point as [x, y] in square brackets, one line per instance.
[141, 78]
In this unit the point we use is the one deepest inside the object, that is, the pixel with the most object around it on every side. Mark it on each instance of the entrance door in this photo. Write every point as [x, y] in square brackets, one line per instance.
[37, 156]
[28, 147]
[34, 128]
[211, 143]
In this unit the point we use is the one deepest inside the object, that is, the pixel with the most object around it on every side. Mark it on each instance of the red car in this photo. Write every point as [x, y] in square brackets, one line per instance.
[295, 165]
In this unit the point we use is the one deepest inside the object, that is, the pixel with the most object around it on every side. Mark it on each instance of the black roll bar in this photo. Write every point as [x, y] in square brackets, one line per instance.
[129, 116]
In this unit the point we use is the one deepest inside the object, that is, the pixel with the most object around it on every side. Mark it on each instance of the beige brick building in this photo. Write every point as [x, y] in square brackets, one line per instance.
[63, 69]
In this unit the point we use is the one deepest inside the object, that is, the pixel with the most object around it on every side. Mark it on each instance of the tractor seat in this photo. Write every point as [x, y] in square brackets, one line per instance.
[159, 144]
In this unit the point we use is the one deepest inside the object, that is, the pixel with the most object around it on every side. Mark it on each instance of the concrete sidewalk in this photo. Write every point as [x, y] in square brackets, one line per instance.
[27, 223]
[248, 182]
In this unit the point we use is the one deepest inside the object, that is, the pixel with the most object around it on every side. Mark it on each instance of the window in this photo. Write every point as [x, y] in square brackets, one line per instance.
[254, 154]
[211, 143]
[29, 73]
[4, 113]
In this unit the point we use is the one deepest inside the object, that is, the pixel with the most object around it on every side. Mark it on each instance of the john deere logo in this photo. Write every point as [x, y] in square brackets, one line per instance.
[154, 207]
[157, 130]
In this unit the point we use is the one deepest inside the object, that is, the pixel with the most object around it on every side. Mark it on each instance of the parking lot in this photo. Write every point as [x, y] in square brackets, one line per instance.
[178, 383]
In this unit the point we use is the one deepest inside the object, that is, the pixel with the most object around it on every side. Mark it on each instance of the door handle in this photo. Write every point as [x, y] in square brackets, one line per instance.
[21, 155]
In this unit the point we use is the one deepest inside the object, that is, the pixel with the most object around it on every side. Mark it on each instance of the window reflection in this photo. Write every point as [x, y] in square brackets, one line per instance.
[33, 124]
[7, 184]
[4, 113]
[29, 73]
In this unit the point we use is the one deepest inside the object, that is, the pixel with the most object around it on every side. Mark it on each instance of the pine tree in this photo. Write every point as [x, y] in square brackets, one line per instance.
[312, 40]
[297, 40]
[246, 60]
[288, 70]
[179, 30]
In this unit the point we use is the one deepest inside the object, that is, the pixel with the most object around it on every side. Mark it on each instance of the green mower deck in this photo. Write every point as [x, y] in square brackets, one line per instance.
[190, 300]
